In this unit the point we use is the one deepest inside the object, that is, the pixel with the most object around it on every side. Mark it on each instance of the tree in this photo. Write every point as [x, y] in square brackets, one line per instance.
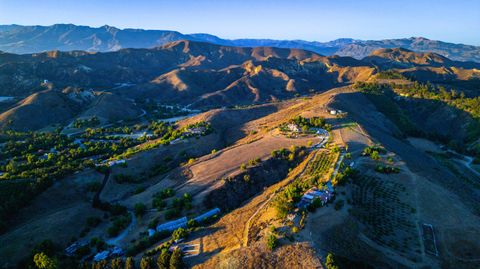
[117, 263]
[163, 260]
[179, 233]
[176, 259]
[192, 223]
[139, 209]
[330, 262]
[42, 261]
[146, 263]
[272, 242]
[129, 263]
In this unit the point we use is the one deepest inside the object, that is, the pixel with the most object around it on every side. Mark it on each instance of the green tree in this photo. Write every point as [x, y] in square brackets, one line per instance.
[176, 259]
[146, 263]
[330, 262]
[42, 261]
[272, 242]
[117, 263]
[163, 260]
[129, 263]
[139, 209]
[179, 233]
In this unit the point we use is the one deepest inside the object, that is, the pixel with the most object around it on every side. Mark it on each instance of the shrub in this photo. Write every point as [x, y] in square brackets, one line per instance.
[93, 221]
[192, 223]
[330, 262]
[163, 260]
[42, 261]
[176, 259]
[146, 263]
[272, 242]
[139, 209]
[179, 234]
[339, 204]
[172, 213]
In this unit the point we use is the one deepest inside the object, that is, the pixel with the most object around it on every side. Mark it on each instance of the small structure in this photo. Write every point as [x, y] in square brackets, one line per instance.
[72, 249]
[101, 255]
[207, 215]
[117, 251]
[293, 127]
[151, 232]
[330, 187]
[197, 130]
[115, 162]
[172, 225]
[314, 193]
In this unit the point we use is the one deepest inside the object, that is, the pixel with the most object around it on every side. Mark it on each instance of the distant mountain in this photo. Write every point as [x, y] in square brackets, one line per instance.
[68, 37]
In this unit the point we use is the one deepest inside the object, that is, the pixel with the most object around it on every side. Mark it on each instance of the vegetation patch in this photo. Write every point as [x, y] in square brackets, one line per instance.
[246, 184]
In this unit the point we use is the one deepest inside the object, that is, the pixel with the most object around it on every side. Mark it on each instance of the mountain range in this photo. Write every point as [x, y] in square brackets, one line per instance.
[65, 85]
[67, 37]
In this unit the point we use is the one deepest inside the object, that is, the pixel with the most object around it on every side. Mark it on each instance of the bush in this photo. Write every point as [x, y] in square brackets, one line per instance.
[163, 260]
[146, 263]
[330, 262]
[93, 221]
[42, 261]
[179, 234]
[119, 224]
[176, 259]
[339, 204]
[139, 209]
[172, 213]
[192, 223]
[272, 242]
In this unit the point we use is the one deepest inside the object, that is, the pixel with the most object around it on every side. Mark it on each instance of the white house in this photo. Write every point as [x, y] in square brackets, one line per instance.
[293, 127]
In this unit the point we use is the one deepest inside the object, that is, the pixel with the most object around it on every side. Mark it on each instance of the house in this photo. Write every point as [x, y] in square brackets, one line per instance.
[115, 162]
[172, 225]
[293, 127]
[207, 215]
[314, 193]
[197, 130]
[101, 255]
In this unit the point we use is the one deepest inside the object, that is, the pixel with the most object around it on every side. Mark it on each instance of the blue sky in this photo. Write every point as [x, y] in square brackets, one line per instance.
[321, 20]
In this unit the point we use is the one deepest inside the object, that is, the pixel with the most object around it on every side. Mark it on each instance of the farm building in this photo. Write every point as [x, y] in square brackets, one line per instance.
[172, 225]
[207, 215]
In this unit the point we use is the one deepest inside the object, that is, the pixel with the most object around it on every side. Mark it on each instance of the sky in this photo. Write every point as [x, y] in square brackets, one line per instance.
[455, 21]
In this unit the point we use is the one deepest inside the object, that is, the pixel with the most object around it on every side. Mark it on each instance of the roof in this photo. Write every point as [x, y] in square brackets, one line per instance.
[207, 214]
[172, 225]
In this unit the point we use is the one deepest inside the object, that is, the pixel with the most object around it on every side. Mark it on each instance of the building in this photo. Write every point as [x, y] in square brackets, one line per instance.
[101, 255]
[293, 127]
[115, 162]
[172, 225]
[314, 193]
[207, 215]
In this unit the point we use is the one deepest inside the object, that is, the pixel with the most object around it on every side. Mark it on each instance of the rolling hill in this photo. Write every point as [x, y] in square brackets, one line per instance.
[198, 75]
